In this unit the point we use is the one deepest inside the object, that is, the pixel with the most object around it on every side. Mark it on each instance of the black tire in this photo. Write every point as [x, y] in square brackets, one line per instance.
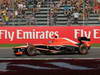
[31, 50]
[83, 49]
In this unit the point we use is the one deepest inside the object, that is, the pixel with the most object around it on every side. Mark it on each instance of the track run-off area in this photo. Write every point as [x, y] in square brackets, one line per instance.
[8, 53]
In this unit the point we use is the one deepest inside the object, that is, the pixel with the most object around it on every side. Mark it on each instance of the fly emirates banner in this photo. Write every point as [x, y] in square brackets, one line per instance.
[41, 35]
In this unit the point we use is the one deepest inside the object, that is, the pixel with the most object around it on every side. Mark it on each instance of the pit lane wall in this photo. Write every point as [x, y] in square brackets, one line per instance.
[43, 34]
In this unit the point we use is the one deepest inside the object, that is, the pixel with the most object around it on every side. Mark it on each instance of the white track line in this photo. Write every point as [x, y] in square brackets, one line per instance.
[49, 58]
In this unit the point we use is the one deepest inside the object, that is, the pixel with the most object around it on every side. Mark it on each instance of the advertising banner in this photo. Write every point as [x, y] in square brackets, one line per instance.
[43, 34]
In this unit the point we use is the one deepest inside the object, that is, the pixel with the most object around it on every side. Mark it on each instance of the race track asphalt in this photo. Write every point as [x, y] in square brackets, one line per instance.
[8, 53]
[56, 66]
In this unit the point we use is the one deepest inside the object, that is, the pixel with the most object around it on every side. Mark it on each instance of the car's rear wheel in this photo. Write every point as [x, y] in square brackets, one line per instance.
[31, 50]
[83, 49]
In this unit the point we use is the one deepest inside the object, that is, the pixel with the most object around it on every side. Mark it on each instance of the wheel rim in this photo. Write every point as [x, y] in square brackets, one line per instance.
[31, 51]
[83, 50]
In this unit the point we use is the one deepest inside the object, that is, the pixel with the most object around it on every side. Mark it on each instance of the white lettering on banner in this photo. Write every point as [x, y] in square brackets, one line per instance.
[87, 34]
[76, 32]
[81, 33]
[18, 33]
[11, 36]
[6, 35]
[96, 32]
[1, 32]
[36, 34]
[32, 34]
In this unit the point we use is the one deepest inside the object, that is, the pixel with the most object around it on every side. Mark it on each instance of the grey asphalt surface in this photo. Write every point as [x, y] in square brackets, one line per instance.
[8, 53]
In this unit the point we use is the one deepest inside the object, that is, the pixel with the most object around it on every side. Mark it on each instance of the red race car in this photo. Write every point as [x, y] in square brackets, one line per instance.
[57, 46]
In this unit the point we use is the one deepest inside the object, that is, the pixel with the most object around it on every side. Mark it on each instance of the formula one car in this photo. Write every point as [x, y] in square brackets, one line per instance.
[57, 46]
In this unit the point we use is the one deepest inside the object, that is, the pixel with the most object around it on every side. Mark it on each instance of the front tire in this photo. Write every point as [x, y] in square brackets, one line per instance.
[31, 50]
[83, 49]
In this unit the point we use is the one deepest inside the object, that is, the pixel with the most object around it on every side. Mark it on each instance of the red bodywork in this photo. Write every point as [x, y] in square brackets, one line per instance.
[56, 42]
[62, 41]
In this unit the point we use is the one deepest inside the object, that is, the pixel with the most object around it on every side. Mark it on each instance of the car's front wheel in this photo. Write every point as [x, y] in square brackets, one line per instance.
[31, 50]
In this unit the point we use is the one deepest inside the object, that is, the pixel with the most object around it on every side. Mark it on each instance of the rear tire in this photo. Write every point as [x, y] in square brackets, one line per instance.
[83, 49]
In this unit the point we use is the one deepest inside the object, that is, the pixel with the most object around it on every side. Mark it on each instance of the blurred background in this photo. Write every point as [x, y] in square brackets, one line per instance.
[49, 12]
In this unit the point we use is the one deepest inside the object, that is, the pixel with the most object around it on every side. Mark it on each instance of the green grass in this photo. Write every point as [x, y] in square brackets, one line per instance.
[96, 45]
[14, 45]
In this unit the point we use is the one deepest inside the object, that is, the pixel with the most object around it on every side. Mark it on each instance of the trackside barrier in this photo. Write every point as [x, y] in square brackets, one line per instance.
[41, 35]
